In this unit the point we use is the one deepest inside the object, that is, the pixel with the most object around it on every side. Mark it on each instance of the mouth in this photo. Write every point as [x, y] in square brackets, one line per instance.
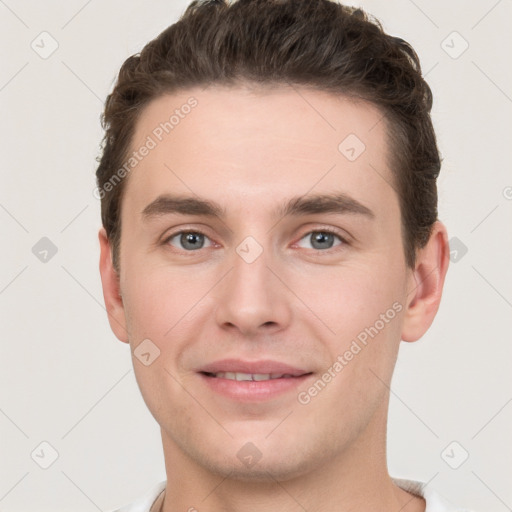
[252, 381]
[255, 377]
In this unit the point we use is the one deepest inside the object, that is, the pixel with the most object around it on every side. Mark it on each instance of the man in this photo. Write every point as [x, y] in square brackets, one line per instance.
[270, 235]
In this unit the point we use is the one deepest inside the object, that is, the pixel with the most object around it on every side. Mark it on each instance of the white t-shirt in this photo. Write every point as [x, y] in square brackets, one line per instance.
[434, 501]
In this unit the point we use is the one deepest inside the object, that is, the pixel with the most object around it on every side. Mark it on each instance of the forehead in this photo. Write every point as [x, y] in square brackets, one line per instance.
[258, 143]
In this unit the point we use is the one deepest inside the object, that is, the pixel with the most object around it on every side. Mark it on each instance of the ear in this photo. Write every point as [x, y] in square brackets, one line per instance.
[426, 284]
[111, 289]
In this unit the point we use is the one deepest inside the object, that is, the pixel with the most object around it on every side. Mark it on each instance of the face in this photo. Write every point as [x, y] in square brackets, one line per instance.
[258, 273]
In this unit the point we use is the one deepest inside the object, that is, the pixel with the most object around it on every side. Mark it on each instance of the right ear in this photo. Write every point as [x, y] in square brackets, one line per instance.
[111, 289]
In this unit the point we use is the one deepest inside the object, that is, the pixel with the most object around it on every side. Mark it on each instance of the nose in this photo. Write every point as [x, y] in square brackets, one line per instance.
[253, 298]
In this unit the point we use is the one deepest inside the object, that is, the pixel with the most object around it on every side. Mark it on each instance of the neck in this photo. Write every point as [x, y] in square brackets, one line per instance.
[355, 479]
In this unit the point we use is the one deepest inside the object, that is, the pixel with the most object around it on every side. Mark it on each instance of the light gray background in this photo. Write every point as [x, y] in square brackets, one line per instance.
[66, 380]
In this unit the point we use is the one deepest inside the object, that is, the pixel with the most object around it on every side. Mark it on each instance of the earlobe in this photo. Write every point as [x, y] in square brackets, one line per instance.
[426, 284]
[111, 289]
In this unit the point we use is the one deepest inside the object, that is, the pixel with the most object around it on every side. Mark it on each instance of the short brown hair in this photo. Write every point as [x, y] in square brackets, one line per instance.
[319, 44]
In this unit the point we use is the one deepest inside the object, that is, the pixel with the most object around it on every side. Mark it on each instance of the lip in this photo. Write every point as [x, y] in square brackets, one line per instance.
[253, 391]
[262, 366]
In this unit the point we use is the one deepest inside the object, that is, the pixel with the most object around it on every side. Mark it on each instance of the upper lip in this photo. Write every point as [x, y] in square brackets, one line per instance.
[252, 367]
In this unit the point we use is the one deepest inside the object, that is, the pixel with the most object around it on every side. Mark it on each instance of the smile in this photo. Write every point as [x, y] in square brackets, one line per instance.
[248, 376]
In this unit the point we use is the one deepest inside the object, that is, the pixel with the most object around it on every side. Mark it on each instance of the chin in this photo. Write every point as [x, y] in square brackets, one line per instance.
[260, 473]
[262, 469]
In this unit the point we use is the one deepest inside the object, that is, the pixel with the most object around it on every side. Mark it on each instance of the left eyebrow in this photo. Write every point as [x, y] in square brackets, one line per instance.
[338, 203]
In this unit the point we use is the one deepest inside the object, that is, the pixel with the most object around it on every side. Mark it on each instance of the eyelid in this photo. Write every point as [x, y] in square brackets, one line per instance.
[332, 251]
[170, 233]
[342, 235]
[167, 237]
[345, 238]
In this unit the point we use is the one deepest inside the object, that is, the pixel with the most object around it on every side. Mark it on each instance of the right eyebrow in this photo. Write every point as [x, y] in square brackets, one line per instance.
[167, 204]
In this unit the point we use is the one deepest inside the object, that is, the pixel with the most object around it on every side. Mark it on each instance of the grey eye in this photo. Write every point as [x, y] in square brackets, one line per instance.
[189, 240]
[321, 240]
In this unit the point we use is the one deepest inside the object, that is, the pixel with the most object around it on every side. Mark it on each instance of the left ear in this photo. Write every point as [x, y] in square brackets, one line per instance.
[426, 284]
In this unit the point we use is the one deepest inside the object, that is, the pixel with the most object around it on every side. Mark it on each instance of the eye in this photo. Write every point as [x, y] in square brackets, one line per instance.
[189, 240]
[323, 239]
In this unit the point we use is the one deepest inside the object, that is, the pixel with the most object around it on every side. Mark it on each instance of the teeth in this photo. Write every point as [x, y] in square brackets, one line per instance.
[249, 376]
[242, 376]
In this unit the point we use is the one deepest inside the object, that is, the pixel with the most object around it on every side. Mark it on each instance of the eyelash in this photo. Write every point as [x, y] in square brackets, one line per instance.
[321, 230]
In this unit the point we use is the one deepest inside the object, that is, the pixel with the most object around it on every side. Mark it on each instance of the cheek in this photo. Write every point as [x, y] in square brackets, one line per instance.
[164, 307]
[352, 299]
[162, 394]
[362, 357]
[159, 312]
[161, 298]
[364, 308]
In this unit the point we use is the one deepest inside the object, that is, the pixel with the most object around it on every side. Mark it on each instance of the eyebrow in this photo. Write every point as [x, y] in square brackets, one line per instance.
[338, 203]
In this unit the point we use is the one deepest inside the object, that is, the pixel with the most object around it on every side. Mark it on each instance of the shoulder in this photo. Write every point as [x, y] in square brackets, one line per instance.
[144, 502]
[434, 501]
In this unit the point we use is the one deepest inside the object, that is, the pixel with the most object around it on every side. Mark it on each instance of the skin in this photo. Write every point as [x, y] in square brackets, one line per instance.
[250, 150]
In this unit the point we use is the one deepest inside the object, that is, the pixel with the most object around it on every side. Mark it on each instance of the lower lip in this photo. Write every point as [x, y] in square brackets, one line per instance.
[249, 390]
